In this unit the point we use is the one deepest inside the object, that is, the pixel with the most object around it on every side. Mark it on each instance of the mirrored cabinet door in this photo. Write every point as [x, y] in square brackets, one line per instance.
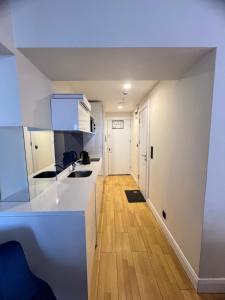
[39, 146]
[40, 157]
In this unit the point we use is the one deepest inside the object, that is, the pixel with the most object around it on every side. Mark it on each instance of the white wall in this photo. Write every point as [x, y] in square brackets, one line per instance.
[180, 115]
[28, 88]
[10, 114]
[35, 94]
[138, 23]
[213, 245]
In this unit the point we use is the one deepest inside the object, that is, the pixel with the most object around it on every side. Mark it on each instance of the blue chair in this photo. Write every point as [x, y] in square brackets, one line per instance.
[17, 282]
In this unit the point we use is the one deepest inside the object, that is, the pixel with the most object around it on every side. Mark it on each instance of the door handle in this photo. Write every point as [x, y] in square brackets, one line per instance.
[152, 152]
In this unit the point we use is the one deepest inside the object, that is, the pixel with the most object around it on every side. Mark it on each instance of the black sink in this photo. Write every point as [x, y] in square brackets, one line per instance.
[47, 174]
[78, 174]
[95, 159]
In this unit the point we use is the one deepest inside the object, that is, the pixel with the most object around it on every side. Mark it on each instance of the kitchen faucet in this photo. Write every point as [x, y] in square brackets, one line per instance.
[59, 166]
[73, 166]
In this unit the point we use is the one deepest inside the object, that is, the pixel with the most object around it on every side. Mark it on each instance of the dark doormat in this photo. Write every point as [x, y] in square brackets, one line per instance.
[134, 196]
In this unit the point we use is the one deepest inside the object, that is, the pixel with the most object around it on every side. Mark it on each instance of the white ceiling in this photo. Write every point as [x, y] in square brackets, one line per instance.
[77, 64]
[101, 72]
[109, 92]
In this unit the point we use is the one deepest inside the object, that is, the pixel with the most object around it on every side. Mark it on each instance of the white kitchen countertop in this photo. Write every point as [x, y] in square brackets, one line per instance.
[64, 195]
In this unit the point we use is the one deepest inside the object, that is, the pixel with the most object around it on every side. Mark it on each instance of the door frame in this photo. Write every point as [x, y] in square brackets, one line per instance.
[145, 106]
[106, 119]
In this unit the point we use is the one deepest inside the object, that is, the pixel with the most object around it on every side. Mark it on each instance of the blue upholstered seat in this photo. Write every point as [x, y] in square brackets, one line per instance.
[17, 282]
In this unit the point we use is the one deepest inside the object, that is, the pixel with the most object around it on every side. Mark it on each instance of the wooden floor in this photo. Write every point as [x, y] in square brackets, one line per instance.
[133, 259]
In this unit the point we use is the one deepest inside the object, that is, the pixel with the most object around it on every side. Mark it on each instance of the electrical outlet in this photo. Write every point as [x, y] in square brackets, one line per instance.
[164, 214]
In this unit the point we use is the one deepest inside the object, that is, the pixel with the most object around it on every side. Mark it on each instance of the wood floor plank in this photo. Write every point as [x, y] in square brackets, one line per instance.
[162, 241]
[120, 225]
[159, 261]
[149, 238]
[181, 278]
[143, 217]
[146, 280]
[122, 242]
[100, 225]
[107, 283]
[118, 200]
[108, 240]
[130, 217]
[190, 295]
[127, 278]
[136, 240]
[164, 276]
[108, 215]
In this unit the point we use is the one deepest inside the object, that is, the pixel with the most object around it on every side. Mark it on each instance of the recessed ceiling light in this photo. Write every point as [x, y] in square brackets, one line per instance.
[120, 106]
[127, 86]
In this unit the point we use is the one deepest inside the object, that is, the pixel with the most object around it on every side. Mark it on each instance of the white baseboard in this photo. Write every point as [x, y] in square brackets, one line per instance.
[202, 285]
[211, 285]
[186, 265]
[135, 178]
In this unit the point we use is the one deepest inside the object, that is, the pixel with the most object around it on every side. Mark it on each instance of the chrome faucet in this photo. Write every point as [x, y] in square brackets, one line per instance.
[73, 166]
[59, 166]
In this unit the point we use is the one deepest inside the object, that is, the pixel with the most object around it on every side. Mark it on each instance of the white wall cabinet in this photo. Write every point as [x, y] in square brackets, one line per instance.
[94, 145]
[83, 118]
[70, 112]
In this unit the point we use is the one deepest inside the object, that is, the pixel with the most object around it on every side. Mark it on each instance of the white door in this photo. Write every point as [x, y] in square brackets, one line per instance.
[143, 157]
[119, 143]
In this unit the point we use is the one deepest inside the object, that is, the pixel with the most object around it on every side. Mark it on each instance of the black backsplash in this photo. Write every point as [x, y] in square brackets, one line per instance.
[65, 142]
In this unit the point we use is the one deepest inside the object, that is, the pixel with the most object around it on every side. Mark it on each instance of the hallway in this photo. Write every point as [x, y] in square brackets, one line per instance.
[133, 259]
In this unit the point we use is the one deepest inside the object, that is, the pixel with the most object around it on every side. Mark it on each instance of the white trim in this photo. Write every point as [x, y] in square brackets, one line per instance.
[183, 260]
[202, 285]
[134, 177]
[141, 109]
[211, 285]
